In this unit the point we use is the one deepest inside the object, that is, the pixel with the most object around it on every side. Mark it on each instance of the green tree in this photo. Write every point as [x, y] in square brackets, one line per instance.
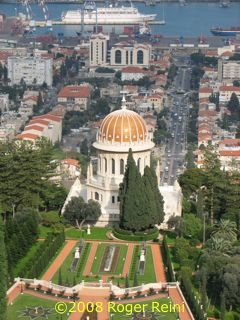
[135, 280]
[225, 229]
[24, 171]
[77, 209]
[60, 282]
[234, 107]
[132, 195]
[3, 274]
[84, 147]
[126, 282]
[153, 196]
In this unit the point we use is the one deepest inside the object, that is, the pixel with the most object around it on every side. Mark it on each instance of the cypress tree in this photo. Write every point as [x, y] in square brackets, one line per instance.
[60, 277]
[3, 274]
[135, 280]
[126, 282]
[154, 197]
[132, 198]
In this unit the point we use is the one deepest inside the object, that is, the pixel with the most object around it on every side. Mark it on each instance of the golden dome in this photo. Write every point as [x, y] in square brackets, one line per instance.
[123, 126]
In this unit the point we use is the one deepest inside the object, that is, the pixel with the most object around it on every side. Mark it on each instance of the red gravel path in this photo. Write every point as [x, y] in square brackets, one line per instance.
[158, 263]
[176, 298]
[99, 296]
[59, 260]
[90, 259]
[128, 260]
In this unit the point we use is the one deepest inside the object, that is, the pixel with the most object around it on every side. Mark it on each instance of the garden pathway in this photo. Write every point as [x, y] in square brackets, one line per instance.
[59, 260]
[90, 259]
[95, 296]
[177, 298]
[128, 260]
[158, 263]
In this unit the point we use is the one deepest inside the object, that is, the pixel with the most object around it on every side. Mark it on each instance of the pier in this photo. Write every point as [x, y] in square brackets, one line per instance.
[42, 23]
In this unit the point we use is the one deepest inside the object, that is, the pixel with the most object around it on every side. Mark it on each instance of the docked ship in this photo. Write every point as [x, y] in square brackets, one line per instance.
[109, 15]
[227, 32]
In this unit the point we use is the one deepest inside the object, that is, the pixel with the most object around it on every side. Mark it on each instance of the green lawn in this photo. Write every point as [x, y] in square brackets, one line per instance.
[163, 305]
[149, 272]
[43, 231]
[96, 233]
[24, 301]
[99, 255]
[67, 276]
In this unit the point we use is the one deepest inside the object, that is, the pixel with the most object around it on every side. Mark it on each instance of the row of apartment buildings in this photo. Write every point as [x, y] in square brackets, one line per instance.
[39, 66]
[219, 82]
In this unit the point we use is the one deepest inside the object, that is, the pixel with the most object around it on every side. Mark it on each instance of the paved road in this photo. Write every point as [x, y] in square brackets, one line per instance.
[173, 161]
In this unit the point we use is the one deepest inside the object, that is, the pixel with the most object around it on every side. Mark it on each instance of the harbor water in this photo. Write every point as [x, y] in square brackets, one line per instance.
[195, 19]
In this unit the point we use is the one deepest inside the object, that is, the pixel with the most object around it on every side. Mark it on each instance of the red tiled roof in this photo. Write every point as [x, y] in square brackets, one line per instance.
[204, 137]
[205, 90]
[212, 53]
[233, 142]
[227, 54]
[207, 113]
[133, 70]
[229, 153]
[229, 88]
[74, 92]
[39, 121]
[34, 127]
[48, 116]
[27, 136]
[70, 161]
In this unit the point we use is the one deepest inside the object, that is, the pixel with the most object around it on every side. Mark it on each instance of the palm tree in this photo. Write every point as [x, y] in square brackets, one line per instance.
[218, 245]
[225, 229]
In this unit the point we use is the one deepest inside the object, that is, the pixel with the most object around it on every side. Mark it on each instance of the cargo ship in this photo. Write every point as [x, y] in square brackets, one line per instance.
[108, 15]
[227, 32]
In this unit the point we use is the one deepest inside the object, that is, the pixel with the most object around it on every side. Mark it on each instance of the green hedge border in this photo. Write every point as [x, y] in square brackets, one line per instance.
[138, 236]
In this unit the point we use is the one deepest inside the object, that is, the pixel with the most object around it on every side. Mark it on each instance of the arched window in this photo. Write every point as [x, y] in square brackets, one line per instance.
[113, 166]
[96, 196]
[140, 57]
[121, 166]
[139, 163]
[105, 164]
[118, 57]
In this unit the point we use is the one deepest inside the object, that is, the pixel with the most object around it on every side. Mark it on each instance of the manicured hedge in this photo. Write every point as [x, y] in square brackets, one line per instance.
[167, 260]
[46, 251]
[137, 236]
[188, 291]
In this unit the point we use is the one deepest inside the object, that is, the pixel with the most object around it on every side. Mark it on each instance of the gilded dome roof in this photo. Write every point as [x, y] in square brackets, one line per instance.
[123, 126]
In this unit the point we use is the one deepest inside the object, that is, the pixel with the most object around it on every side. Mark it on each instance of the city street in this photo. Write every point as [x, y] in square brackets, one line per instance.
[173, 161]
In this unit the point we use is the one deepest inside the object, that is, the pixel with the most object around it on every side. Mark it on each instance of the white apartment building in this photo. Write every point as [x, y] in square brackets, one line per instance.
[228, 70]
[98, 50]
[33, 70]
[225, 93]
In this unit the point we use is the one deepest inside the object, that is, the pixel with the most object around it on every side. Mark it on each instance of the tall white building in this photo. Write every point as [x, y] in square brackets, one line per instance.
[228, 70]
[98, 50]
[33, 70]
